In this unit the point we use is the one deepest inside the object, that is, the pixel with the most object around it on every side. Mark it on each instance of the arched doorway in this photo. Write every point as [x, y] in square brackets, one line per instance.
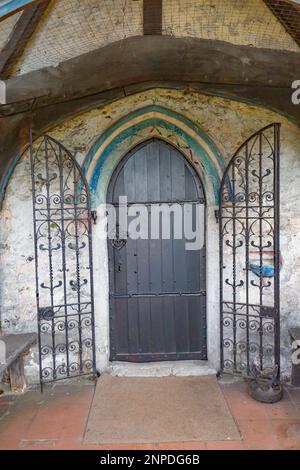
[158, 282]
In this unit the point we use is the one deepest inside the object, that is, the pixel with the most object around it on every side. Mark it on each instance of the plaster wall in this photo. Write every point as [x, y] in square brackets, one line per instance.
[228, 124]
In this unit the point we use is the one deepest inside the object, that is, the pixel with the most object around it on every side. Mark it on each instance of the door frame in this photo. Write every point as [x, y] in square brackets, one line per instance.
[200, 189]
[101, 274]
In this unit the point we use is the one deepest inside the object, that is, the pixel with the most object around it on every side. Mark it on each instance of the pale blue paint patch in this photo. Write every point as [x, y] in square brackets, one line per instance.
[106, 163]
[10, 6]
[108, 159]
[146, 110]
[6, 177]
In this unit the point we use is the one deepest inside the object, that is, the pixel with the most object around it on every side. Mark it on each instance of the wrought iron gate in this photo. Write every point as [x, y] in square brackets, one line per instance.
[250, 257]
[63, 257]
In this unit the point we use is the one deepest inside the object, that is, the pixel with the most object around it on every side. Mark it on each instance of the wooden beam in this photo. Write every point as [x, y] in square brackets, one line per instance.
[153, 58]
[152, 17]
[14, 6]
[20, 36]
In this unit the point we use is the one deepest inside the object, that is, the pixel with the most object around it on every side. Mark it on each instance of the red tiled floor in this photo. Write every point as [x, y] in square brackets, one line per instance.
[258, 434]
[182, 446]
[57, 420]
[282, 410]
[225, 445]
[294, 394]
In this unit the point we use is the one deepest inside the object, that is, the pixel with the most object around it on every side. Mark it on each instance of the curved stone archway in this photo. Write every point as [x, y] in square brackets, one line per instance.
[102, 160]
[140, 125]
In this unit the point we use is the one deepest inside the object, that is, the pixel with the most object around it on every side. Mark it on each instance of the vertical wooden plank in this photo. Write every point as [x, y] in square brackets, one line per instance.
[145, 325]
[120, 325]
[165, 172]
[133, 325]
[178, 177]
[153, 180]
[169, 324]
[181, 325]
[152, 17]
[140, 175]
[119, 188]
[158, 342]
[194, 313]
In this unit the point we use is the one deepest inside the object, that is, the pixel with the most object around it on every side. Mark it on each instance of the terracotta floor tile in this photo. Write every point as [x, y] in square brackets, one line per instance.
[57, 420]
[182, 446]
[240, 386]
[4, 412]
[225, 445]
[289, 444]
[247, 408]
[44, 428]
[74, 427]
[39, 444]
[16, 423]
[258, 434]
[9, 443]
[286, 429]
[282, 410]
[294, 393]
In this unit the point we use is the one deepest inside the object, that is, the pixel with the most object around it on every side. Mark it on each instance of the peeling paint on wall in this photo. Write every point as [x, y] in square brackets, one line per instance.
[227, 124]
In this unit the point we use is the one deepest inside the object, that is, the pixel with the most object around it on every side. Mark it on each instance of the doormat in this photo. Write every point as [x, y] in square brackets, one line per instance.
[141, 410]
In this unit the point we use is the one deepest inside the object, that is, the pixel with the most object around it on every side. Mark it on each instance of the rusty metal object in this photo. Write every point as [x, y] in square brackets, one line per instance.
[295, 337]
[265, 386]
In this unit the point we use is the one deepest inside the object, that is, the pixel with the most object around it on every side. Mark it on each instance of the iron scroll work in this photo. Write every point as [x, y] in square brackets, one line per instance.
[63, 257]
[250, 257]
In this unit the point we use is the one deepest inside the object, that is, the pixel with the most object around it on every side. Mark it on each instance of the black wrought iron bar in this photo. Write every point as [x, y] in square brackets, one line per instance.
[66, 208]
[249, 218]
[78, 277]
[32, 164]
[276, 184]
[159, 203]
[260, 153]
[247, 252]
[159, 294]
[47, 184]
[221, 268]
[234, 266]
[63, 253]
[91, 272]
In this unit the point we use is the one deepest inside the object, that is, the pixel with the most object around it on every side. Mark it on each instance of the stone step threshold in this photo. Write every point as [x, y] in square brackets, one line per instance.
[161, 369]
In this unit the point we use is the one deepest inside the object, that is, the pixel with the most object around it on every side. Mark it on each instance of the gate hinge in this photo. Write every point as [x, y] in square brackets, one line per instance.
[217, 215]
[94, 216]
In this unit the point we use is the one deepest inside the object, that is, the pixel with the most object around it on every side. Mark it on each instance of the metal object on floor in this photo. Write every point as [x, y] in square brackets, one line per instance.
[295, 337]
[63, 259]
[264, 387]
[250, 257]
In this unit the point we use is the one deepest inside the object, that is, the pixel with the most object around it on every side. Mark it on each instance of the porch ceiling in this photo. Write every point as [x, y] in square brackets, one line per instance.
[71, 27]
[47, 97]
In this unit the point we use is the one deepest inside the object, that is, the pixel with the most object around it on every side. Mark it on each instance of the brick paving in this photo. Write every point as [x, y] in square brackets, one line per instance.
[57, 420]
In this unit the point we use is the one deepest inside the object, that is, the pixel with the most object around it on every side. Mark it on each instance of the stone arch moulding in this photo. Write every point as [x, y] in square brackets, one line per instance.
[139, 126]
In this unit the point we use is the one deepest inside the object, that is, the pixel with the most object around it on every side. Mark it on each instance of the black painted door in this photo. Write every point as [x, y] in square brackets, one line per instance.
[157, 285]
